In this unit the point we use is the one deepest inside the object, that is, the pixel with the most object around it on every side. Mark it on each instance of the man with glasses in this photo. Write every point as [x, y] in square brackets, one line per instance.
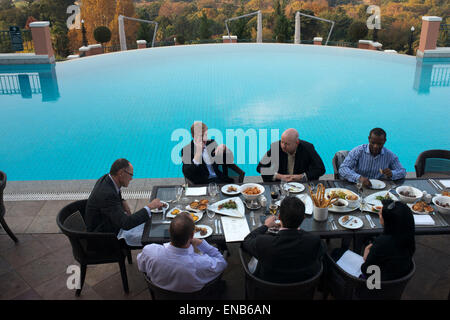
[372, 161]
[106, 210]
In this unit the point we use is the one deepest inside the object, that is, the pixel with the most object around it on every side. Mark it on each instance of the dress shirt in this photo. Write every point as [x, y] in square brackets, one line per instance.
[360, 162]
[208, 163]
[291, 163]
[181, 269]
[118, 191]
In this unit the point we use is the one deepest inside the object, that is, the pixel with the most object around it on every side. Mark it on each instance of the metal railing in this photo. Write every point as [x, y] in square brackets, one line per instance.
[23, 84]
[440, 76]
[5, 42]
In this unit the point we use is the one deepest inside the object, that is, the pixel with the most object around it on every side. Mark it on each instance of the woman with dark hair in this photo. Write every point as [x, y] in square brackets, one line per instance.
[392, 251]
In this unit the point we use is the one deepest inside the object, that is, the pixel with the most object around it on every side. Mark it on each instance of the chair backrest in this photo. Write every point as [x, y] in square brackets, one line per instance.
[208, 292]
[233, 172]
[351, 288]
[89, 247]
[338, 158]
[2, 188]
[433, 163]
[256, 289]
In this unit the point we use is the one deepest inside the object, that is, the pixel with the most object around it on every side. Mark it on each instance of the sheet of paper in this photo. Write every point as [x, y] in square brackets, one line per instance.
[235, 229]
[445, 183]
[422, 219]
[351, 262]
[200, 191]
[133, 236]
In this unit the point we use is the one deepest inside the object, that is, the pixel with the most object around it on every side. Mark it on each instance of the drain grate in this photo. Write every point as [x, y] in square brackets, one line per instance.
[128, 195]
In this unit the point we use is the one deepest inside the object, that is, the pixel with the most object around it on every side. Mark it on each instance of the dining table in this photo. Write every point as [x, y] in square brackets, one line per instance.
[156, 229]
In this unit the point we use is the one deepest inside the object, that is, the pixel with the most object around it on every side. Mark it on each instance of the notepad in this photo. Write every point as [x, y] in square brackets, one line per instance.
[351, 263]
[200, 191]
[423, 220]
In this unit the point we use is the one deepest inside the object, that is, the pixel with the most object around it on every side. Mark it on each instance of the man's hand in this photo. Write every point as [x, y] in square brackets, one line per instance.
[156, 203]
[126, 207]
[365, 181]
[295, 177]
[198, 146]
[366, 251]
[196, 242]
[282, 177]
[270, 222]
[387, 172]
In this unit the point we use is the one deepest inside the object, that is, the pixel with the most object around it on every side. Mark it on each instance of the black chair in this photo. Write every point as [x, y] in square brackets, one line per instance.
[91, 247]
[230, 170]
[433, 164]
[338, 158]
[258, 289]
[344, 286]
[211, 291]
[2, 208]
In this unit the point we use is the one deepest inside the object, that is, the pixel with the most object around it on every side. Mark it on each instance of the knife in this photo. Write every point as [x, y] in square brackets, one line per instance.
[369, 218]
[220, 227]
[436, 185]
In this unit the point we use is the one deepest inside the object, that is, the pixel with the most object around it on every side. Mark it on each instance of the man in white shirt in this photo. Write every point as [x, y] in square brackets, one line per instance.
[176, 266]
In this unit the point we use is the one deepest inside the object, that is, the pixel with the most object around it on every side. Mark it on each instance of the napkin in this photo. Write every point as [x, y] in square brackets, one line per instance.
[423, 220]
[445, 183]
[133, 236]
[200, 191]
[351, 262]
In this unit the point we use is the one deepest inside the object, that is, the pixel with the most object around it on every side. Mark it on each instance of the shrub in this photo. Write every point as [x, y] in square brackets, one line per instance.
[102, 34]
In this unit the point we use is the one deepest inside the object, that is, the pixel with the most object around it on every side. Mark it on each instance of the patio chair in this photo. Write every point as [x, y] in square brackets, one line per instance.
[230, 170]
[433, 164]
[338, 158]
[258, 289]
[211, 291]
[91, 247]
[3, 209]
[344, 286]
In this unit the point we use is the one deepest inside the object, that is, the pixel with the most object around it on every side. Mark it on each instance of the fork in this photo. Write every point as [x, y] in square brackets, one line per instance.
[331, 222]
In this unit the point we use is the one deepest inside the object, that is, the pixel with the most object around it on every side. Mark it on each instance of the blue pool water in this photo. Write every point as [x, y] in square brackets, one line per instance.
[86, 113]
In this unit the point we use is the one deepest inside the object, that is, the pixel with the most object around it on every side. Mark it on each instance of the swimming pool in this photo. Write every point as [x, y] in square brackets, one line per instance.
[84, 114]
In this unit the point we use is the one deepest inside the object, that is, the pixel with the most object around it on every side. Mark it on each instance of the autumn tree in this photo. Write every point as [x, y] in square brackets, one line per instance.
[124, 8]
[96, 13]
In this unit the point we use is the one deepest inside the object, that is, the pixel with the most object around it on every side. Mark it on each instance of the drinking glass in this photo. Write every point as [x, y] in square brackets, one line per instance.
[273, 208]
[274, 192]
[210, 213]
[284, 189]
[212, 189]
[184, 189]
[360, 187]
[179, 193]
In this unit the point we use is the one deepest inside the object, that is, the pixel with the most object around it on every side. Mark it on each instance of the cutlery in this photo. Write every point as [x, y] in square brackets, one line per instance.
[369, 219]
[215, 224]
[220, 227]
[252, 216]
[437, 185]
[334, 224]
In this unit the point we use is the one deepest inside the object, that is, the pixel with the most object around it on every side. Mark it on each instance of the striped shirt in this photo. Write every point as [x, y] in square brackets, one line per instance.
[360, 162]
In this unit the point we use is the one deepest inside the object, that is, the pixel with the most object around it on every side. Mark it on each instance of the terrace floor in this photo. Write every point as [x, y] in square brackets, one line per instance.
[35, 268]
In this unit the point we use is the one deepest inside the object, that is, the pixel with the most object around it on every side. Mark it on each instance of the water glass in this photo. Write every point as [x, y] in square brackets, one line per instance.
[284, 189]
[359, 186]
[274, 192]
[212, 189]
[179, 193]
[210, 213]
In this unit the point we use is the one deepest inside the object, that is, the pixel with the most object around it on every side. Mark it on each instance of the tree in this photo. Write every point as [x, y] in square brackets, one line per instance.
[204, 27]
[357, 31]
[281, 32]
[102, 34]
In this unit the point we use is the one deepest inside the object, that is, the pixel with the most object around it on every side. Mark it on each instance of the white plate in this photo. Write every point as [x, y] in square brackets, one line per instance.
[198, 214]
[239, 212]
[344, 209]
[373, 200]
[294, 187]
[156, 210]
[355, 222]
[306, 200]
[230, 193]
[209, 232]
[377, 184]
[410, 205]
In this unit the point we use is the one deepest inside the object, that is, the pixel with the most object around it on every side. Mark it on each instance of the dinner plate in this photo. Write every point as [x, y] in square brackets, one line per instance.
[238, 212]
[352, 223]
[188, 207]
[230, 193]
[410, 205]
[306, 200]
[209, 231]
[294, 187]
[372, 199]
[171, 215]
[344, 209]
[156, 210]
[377, 184]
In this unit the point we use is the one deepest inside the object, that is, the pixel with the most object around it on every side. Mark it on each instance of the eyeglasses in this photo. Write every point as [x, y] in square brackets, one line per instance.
[128, 172]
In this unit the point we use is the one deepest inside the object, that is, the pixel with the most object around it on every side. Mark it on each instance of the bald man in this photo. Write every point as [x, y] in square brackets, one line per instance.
[291, 159]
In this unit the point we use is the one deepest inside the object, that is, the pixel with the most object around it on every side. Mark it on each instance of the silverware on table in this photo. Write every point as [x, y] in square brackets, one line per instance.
[369, 218]
[215, 224]
[219, 226]
[252, 216]
[435, 184]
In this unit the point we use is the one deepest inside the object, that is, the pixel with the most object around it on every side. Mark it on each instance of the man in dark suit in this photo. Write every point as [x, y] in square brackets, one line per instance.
[202, 156]
[106, 211]
[291, 159]
[292, 255]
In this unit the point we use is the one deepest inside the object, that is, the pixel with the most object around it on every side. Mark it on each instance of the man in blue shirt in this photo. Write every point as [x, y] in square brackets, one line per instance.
[372, 161]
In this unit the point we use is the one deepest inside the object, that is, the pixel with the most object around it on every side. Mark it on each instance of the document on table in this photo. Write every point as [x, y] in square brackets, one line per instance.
[133, 236]
[445, 183]
[423, 219]
[235, 229]
[200, 191]
[351, 262]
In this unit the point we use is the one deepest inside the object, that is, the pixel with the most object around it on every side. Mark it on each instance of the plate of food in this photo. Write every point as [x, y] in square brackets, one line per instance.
[409, 194]
[156, 210]
[377, 184]
[233, 207]
[350, 222]
[294, 187]
[230, 189]
[202, 231]
[198, 205]
[175, 211]
[420, 207]
[374, 200]
[251, 191]
[306, 200]
[342, 194]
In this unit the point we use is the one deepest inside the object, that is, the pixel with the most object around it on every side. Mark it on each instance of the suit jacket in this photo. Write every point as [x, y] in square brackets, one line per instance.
[289, 256]
[104, 210]
[393, 258]
[199, 174]
[307, 160]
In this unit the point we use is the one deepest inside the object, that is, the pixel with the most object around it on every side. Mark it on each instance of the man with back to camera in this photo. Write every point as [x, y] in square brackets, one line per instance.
[106, 211]
[292, 255]
[291, 159]
[175, 266]
[372, 161]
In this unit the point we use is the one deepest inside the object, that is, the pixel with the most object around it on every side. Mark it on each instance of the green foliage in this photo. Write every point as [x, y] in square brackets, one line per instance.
[357, 31]
[282, 29]
[102, 34]
[204, 27]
